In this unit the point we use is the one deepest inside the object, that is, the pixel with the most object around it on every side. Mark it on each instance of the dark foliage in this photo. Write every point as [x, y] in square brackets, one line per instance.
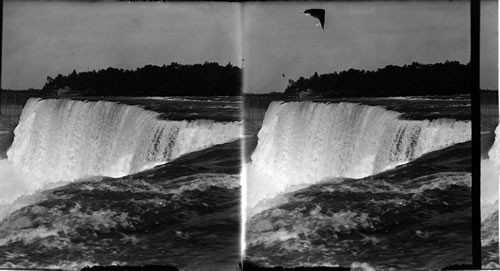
[446, 78]
[208, 79]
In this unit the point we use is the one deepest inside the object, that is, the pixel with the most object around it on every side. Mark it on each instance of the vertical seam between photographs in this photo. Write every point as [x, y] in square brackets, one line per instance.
[243, 182]
[476, 137]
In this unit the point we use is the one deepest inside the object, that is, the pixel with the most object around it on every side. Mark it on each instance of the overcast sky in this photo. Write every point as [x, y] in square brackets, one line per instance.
[43, 39]
[362, 35]
[489, 45]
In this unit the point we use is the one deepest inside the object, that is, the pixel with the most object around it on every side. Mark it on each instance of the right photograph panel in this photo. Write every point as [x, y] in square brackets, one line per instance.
[490, 145]
[358, 134]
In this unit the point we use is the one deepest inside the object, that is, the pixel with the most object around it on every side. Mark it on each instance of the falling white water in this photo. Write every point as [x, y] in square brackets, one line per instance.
[65, 140]
[494, 152]
[490, 175]
[301, 143]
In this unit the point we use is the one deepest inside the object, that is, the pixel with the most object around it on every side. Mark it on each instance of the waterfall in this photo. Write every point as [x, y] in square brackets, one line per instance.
[301, 143]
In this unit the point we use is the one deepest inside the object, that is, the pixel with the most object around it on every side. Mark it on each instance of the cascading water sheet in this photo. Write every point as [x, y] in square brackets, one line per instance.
[300, 143]
[490, 172]
[64, 140]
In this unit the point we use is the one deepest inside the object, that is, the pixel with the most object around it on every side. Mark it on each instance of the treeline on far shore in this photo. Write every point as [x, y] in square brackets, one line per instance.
[450, 77]
[207, 79]
[212, 79]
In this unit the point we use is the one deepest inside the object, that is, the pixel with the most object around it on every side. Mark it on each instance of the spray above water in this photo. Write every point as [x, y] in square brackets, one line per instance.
[301, 143]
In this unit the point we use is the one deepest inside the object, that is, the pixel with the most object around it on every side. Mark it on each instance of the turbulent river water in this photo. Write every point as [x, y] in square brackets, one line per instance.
[134, 181]
[335, 183]
[118, 182]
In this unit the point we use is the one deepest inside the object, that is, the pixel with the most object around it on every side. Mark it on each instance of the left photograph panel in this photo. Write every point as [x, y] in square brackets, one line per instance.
[120, 135]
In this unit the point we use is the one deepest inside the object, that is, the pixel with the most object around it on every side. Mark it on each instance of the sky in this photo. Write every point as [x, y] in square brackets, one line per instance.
[278, 39]
[43, 38]
[489, 45]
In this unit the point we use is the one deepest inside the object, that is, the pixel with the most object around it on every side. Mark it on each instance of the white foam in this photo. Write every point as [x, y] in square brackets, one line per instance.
[13, 183]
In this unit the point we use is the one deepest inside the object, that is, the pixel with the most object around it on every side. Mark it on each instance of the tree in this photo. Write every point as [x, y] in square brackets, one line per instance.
[446, 78]
[175, 79]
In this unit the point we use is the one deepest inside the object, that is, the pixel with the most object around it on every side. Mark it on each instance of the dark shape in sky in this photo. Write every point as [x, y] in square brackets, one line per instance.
[366, 35]
[319, 14]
